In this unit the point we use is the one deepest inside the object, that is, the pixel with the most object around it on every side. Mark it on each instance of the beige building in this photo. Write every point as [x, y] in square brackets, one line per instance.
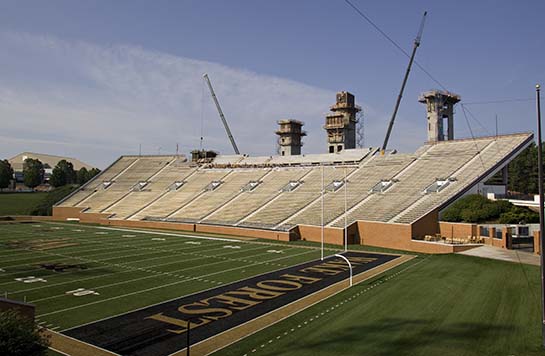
[49, 161]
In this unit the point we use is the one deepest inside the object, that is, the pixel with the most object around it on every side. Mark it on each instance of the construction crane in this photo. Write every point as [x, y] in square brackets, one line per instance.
[398, 101]
[235, 148]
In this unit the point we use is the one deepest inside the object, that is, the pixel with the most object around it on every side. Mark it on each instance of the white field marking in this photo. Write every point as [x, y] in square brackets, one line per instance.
[166, 285]
[193, 242]
[152, 232]
[231, 246]
[341, 303]
[80, 292]
[171, 274]
[57, 228]
[101, 233]
[185, 296]
[134, 268]
[2, 270]
[115, 245]
[78, 230]
[287, 316]
[157, 239]
[30, 279]
[153, 266]
[54, 349]
[275, 251]
[169, 234]
[36, 225]
[128, 235]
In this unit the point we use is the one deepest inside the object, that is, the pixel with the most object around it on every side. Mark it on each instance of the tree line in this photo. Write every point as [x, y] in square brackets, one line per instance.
[34, 174]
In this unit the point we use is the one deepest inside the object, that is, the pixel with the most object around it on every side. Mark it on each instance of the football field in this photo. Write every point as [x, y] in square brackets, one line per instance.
[77, 274]
[81, 276]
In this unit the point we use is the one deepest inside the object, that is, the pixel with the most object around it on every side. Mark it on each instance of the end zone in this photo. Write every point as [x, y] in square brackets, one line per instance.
[226, 314]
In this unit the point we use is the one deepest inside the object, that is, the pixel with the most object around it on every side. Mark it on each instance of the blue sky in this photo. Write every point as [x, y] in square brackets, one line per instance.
[94, 79]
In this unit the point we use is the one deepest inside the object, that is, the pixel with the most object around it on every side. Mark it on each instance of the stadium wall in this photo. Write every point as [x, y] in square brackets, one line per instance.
[371, 233]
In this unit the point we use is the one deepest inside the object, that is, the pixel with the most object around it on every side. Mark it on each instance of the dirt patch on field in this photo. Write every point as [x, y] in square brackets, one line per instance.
[41, 244]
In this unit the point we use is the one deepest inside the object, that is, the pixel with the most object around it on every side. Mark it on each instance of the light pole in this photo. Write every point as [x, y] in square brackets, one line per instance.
[322, 198]
[345, 217]
[541, 218]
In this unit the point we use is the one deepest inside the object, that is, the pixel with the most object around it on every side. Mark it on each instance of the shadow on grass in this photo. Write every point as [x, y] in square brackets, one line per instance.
[395, 336]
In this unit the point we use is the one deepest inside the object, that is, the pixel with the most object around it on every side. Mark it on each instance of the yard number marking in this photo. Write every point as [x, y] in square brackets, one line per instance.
[157, 239]
[193, 242]
[275, 251]
[229, 246]
[30, 279]
[81, 292]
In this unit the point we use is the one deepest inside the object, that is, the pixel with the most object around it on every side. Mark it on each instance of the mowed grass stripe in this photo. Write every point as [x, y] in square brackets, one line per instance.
[190, 272]
[122, 305]
[176, 271]
[176, 260]
[42, 259]
[42, 273]
[124, 266]
[153, 289]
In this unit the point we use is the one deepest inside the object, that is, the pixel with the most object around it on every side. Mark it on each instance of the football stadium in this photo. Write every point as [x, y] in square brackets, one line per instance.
[161, 254]
[351, 249]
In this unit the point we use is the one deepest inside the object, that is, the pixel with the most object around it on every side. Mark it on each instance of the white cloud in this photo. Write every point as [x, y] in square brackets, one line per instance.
[96, 103]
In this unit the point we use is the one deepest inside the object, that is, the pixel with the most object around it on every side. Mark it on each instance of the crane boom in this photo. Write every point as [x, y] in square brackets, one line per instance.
[235, 148]
[398, 101]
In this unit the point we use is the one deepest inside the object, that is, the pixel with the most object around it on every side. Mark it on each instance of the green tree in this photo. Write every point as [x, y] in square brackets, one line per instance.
[6, 174]
[19, 336]
[68, 169]
[33, 172]
[57, 178]
[82, 176]
[93, 172]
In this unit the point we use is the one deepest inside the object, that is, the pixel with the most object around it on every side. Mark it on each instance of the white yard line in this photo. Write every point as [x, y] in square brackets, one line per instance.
[167, 285]
[171, 273]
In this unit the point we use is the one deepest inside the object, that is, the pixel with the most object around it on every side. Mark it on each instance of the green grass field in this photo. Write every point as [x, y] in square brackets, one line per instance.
[20, 203]
[433, 305]
[448, 305]
[128, 269]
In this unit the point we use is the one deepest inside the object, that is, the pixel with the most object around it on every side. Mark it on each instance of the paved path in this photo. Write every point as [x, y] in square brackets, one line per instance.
[497, 253]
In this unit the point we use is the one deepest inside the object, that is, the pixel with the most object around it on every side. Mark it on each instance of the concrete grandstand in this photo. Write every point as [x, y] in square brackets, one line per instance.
[400, 194]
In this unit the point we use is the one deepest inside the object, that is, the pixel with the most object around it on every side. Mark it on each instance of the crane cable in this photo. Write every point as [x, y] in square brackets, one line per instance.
[366, 18]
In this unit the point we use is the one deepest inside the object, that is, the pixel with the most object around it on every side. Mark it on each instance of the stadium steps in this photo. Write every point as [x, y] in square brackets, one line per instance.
[173, 201]
[359, 183]
[157, 186]
[138, 214]
[437, 162]
[140, 170]
[212, 200]
[244, 221]
[112, 206]
[317, 201]
[289, 203]
[248, 202]
[91, 187]
[493, 157]
[238, 196]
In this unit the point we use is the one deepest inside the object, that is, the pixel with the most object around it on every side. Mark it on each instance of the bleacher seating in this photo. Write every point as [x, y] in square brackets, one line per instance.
[171, 189]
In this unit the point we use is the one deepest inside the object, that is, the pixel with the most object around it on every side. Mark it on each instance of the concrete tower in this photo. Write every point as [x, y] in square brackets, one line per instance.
[290, 134]
[440, 106]
[341, 123]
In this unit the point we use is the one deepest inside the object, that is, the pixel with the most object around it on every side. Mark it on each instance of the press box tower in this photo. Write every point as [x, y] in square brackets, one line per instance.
[340, 124]
[290, 137]
[439, 106]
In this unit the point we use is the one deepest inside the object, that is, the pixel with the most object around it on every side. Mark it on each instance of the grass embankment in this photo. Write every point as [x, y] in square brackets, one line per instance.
[36, 203]
[442, 305]
[19, 203]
